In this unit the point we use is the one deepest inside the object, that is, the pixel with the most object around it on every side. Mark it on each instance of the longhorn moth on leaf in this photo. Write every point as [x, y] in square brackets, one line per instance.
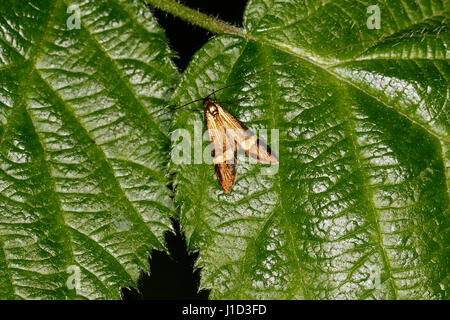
[227, 135]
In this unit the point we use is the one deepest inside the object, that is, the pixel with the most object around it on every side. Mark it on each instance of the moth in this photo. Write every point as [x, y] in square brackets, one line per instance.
[227, 134]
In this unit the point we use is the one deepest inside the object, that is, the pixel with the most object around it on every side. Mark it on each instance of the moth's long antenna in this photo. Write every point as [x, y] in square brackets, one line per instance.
[223, 88]
[186, 104]
[166, 107]
[245, 79]
[226, 87]
[215, 91]
[209, 95]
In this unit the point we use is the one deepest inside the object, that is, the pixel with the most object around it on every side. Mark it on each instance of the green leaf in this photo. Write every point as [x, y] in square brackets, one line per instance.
[82, 178]
[359, 206]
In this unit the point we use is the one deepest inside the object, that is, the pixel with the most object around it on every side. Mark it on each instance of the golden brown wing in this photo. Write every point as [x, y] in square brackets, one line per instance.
[226, 174]
[223, 151]
[245, 138]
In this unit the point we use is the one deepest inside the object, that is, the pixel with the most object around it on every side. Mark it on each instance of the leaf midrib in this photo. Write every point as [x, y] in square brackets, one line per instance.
[36, 53]
[263, 41]
[373, 43]
[275, 110]
[340, 78]
[368, 195]
[59, 214]
[104, 159]
[25, 84]
[99, 149]
[117, 70]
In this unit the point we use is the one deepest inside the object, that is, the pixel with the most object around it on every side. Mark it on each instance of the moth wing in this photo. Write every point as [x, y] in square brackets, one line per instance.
[246, 140]
[223, 152]
[226, 174]
[257, 149]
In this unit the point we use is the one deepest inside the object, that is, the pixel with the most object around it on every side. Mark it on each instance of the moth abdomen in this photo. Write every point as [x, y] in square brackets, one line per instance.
[226, 174]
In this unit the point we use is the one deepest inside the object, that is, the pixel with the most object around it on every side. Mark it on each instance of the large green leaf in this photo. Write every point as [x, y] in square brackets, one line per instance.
[82, 179]
[359, 205]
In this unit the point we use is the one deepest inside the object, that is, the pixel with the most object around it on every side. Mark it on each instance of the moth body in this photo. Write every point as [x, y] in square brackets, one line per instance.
[227, 135]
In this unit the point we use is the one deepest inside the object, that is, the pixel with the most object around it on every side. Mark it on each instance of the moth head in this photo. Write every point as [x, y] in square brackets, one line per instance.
[210, 106]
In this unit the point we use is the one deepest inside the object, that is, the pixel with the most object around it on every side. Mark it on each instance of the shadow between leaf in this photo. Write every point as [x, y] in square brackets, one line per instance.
[170, 276]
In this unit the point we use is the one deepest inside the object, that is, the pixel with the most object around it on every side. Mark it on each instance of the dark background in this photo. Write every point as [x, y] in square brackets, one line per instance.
[172, 276]
[185, 38]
